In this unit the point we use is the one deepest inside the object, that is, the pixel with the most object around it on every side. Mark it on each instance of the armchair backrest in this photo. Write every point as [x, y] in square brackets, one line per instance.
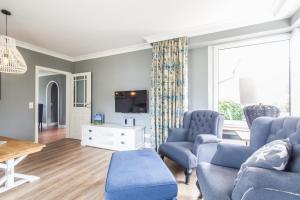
[254, 111]
[203, 122]
[266, 129]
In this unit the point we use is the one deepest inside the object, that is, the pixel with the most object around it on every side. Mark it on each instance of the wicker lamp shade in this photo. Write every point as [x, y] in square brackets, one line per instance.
[11, 61]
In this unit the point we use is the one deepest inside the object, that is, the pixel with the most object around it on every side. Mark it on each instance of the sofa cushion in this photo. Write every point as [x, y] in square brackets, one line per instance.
[139, 175]
[216, 182]
[274, 155]
[180, 152]
[294, 163]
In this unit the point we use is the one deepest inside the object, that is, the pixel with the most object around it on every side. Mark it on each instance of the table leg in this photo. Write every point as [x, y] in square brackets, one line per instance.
[9, 173]
[8, 180]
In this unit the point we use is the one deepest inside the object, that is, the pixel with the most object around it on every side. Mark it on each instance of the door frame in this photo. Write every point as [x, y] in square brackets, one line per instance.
[58, 102]
[68, 99]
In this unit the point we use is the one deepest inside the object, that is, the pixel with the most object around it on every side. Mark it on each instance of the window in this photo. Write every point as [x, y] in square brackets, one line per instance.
[251, 73]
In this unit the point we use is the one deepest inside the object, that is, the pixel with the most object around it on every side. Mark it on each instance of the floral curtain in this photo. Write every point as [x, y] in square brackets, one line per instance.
[168, 95]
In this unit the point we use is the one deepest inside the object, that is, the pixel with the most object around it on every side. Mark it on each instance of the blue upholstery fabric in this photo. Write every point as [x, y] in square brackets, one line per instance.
[199, 127]
[256, 183]
[204, 122]
[206, 152]
[294, 164]
[177, 135]
[136, 175]
[181, 153]
[266, 194]
[216, 182]
[259, 178]
[204, 139]
[231, 155]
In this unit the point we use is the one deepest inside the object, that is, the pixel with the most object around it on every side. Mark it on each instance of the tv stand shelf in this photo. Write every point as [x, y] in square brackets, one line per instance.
[113, 137]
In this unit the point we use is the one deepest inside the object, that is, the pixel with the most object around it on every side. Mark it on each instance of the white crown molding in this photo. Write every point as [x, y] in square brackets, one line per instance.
[284, 34]
[111, 52]
[35, 48]
[204, 29]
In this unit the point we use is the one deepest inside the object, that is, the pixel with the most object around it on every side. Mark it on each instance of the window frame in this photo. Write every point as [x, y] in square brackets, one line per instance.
[213, 64]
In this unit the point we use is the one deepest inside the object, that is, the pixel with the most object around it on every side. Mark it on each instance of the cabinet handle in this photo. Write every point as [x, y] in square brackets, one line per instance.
[122, 142]
[90, 138]
[122, 134]
[90, 130]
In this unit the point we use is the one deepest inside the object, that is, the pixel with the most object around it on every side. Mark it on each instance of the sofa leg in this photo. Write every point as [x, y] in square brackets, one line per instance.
[200, 193]
[187, 173]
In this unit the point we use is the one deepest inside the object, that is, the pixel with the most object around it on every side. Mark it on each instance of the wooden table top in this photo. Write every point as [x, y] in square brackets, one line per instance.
[16, 148]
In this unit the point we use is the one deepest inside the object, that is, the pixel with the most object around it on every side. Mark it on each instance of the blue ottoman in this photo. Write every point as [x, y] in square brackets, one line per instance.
[139, 175]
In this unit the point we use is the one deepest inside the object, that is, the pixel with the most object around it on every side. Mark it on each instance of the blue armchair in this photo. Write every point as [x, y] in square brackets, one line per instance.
[216, 179]
[182, 145]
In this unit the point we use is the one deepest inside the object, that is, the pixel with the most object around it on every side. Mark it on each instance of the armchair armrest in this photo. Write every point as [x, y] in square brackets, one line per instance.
[276, 184]
[204, 139]
[177, 134]
[231, 155]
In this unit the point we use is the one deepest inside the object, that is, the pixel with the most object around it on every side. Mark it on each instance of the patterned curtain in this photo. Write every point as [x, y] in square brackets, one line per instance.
[168, 95]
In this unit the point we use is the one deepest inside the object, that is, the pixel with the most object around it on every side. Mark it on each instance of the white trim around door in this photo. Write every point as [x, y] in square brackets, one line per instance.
[58, 103]
[68, 99]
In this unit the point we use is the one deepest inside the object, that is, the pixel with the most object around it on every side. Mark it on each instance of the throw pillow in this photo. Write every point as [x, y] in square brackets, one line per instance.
[274, 155]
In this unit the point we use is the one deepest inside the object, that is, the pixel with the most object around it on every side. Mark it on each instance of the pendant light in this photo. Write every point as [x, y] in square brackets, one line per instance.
[11, 61]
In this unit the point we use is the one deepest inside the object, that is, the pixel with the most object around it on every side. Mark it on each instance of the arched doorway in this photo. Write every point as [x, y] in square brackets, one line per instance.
[52, 104]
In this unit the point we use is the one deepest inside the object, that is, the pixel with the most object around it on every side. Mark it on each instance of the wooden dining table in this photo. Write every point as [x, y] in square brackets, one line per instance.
[12, 152]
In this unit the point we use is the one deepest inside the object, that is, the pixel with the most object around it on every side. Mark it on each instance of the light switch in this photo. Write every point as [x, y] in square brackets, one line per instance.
[30, 105]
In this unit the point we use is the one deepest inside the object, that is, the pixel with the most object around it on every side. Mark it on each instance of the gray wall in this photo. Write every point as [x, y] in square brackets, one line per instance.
[131, 71]
[16, 119]
[198, 78]
[61, 81]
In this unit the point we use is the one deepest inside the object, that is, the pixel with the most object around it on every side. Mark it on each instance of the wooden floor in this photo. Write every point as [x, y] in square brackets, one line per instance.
[51, 134]
[69, 171]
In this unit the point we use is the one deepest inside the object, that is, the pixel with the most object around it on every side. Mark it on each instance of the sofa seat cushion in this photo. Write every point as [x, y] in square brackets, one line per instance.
[180, 152]
[139, 175]
[216, 182]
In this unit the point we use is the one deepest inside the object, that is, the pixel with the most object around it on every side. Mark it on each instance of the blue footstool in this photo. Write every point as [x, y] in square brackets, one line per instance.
[139, 175]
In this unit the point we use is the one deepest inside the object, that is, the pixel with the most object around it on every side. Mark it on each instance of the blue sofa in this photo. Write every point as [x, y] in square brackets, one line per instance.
[216, 179]
[199, 128]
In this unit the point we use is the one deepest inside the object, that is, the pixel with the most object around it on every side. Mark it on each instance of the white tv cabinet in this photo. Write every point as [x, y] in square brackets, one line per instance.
[113, 137]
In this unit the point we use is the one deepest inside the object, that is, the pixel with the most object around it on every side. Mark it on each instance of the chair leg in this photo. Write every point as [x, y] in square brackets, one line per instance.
[187, 173]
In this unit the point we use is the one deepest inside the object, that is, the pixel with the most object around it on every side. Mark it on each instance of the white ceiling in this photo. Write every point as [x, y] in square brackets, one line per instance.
[79, 27]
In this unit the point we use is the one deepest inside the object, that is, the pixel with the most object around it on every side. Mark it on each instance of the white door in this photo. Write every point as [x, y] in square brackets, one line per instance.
[81, 103]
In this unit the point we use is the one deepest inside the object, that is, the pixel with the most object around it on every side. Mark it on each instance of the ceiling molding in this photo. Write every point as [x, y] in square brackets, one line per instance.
[204, 29]
[43, 51]
[111, 52]
[284, 35]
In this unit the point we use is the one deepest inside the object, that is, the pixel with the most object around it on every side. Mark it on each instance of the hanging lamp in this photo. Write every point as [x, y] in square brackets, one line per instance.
[11, 61]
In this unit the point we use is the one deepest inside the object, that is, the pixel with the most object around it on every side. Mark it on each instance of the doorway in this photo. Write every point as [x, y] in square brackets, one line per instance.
[52, 101]
[52, 107]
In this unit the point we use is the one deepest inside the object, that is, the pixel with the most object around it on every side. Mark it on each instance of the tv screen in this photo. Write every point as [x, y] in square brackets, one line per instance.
[135, 101]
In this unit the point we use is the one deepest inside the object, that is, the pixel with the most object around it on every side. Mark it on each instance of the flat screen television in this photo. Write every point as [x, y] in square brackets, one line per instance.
[135, 101]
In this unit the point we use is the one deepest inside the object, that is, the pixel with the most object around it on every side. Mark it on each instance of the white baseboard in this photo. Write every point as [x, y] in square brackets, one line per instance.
[62, 126]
